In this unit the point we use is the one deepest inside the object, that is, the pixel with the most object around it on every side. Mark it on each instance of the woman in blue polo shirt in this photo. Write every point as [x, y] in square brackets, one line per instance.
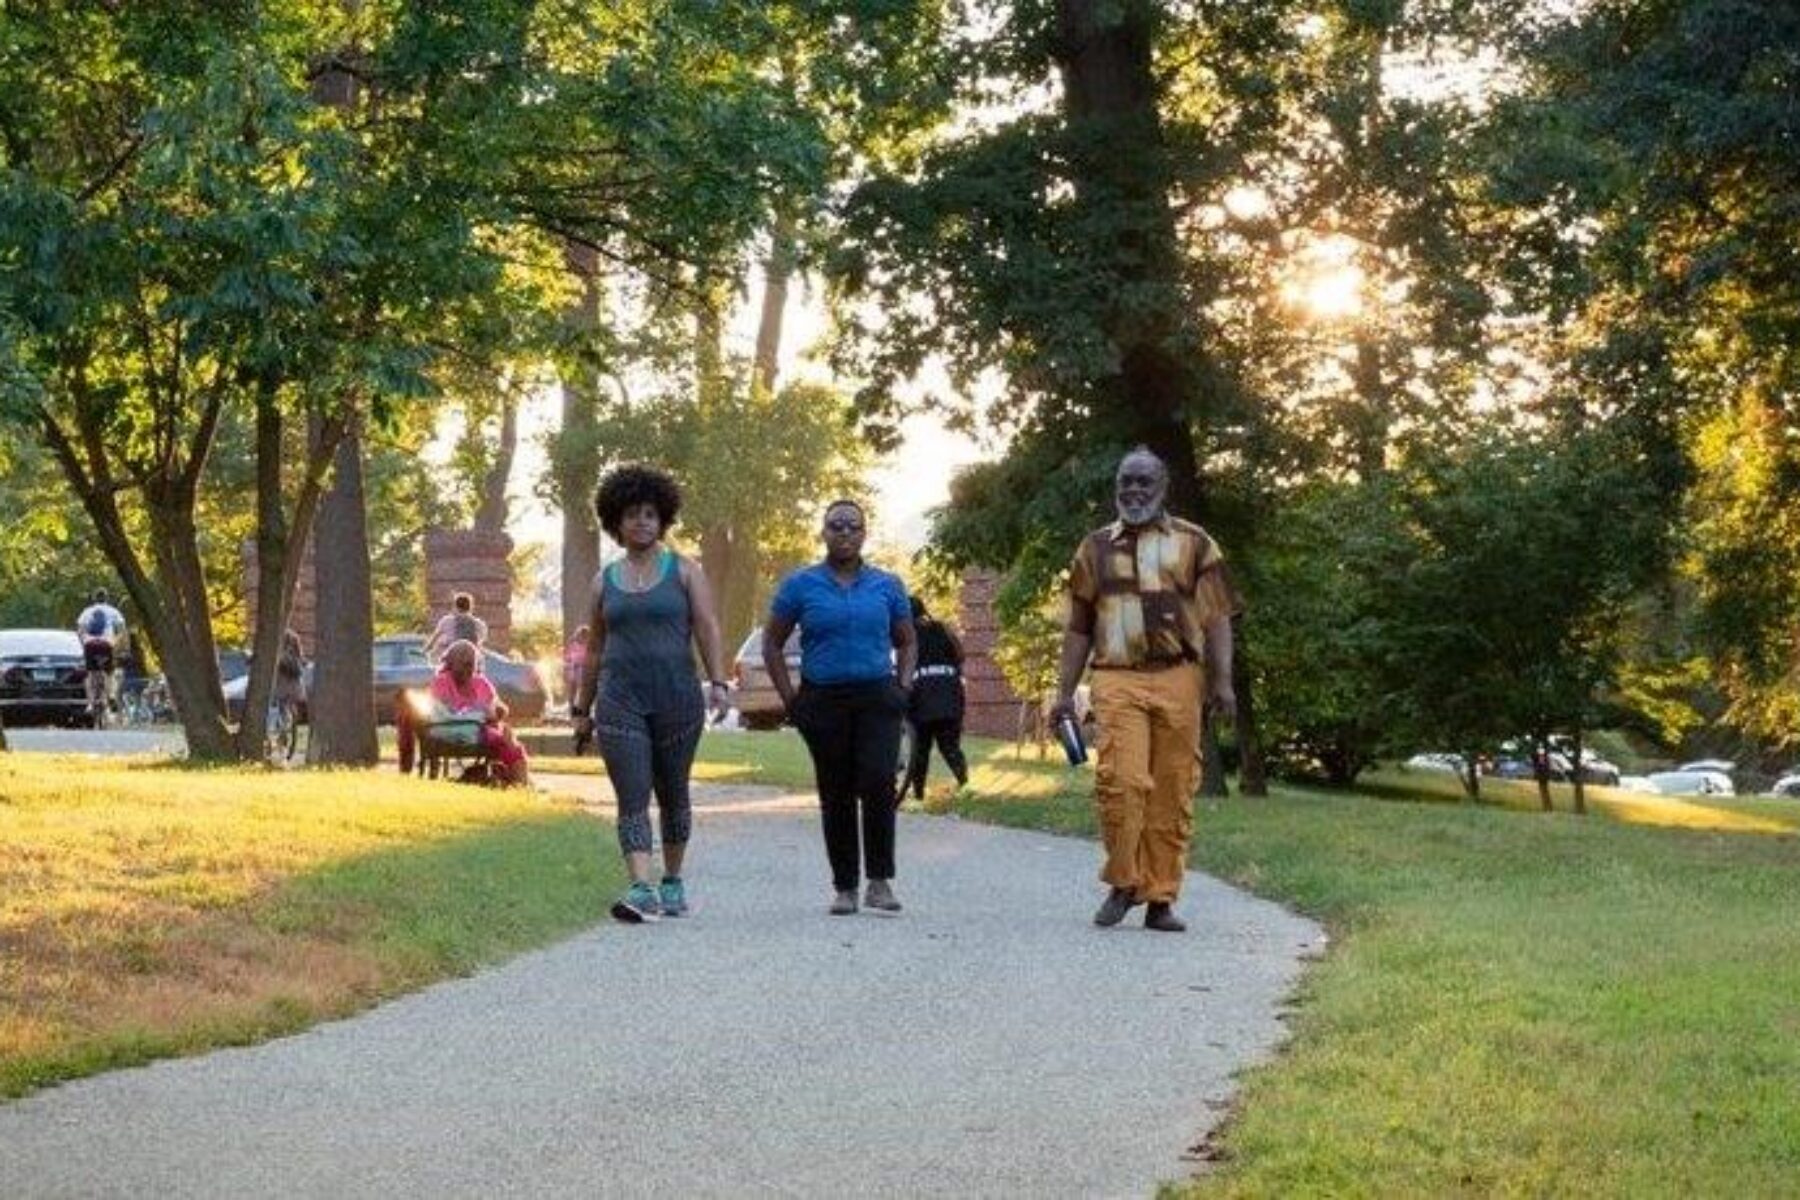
[856, 667]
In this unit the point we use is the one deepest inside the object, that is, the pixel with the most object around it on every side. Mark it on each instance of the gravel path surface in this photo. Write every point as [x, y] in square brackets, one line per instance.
[989, 1041]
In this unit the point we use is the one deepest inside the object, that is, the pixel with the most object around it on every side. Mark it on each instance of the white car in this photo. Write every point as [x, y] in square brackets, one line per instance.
[1693, 783]
[1719, 765]
[1637, 783]
[1787, 785]
[1436, 761]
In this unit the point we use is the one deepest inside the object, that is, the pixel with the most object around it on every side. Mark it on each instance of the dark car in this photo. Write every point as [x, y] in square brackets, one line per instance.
[398, 664]
[42, 677]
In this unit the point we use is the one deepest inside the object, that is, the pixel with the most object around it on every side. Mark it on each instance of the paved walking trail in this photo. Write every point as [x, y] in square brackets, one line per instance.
[987, 1042]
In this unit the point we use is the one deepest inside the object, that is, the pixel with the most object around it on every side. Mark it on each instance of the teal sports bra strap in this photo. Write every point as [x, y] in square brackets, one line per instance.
[663, 562]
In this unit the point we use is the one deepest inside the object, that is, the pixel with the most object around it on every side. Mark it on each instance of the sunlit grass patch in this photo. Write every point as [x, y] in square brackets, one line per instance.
[1515, 1002]
[147, 911]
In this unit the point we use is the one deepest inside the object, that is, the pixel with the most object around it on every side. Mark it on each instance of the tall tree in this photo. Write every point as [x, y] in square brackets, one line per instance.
[1645, 169]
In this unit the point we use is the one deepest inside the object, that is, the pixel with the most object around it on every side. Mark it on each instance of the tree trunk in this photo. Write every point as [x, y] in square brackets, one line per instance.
[186, 654]
[718, 539]
[272, 551]
[280, 551]
[341, 709]
[1253, 772]
[490, 513]
[3, 745]
[1111, 99]
[777, 271]
[1471, 777]
[1212, 759]
[1540, 770]
[577, 458]
[1580, 784]
[1374, 416]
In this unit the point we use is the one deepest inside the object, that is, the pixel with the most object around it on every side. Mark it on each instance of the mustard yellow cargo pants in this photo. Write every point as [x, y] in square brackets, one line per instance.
[1148, 729]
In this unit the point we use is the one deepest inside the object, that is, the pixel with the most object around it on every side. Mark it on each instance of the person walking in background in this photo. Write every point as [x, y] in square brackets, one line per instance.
[856, 671]
[574, 659]
[460, 624]
[638, 692]
[290, 672]
[937, 702]
[1150, 603]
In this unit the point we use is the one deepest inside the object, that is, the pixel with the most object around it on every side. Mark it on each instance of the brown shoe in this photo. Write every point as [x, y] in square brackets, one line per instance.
[1162, 918]
[1118, 902]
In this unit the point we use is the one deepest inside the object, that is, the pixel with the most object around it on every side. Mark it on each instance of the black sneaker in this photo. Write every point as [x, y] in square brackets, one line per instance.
[1118, 902]
[1162, 918]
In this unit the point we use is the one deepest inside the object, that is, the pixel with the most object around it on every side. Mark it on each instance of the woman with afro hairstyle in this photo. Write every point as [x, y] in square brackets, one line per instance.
[638, 695]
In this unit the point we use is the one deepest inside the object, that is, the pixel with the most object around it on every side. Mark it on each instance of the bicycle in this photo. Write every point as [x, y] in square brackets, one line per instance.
[100, 684]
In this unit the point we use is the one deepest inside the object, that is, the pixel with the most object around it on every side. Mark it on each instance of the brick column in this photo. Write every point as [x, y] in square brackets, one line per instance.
[991, 708]
[465, 560]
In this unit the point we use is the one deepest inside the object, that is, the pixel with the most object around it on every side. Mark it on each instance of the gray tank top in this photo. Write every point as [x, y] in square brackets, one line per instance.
[647, 664]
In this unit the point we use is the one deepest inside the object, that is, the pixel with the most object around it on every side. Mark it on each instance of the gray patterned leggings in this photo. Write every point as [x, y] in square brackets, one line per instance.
[647, 753]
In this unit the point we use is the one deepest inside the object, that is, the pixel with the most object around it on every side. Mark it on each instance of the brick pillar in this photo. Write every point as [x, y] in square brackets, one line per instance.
[991, 708]
[464, 560]
[302, 619]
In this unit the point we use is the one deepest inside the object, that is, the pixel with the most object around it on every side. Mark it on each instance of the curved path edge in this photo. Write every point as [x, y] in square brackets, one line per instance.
[987, 1042]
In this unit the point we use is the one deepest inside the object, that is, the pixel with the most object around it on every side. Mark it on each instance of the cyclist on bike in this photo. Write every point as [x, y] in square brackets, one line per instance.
[101, 628]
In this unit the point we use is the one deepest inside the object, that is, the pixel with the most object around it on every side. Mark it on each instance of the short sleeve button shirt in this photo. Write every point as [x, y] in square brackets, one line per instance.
[1147, 595]
[845, 629]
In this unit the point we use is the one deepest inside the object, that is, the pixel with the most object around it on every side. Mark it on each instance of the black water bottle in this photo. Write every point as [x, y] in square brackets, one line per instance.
[1068, 732]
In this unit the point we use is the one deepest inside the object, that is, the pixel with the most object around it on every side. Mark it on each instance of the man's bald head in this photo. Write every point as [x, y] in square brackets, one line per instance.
[1141, 487]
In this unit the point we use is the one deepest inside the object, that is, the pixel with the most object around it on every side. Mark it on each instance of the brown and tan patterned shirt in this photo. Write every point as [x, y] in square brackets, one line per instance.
[1146, 596]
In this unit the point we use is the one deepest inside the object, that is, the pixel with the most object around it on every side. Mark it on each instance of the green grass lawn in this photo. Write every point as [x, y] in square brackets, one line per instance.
[150, 909]
[1514, 1002]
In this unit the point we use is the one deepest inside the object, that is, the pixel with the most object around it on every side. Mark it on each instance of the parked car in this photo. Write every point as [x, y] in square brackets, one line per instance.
[42, 677]
[752, 694]
[1594, 769]
[1436, 761]
[1720, 766]
[1693, 783]
[1787, 785]
[398, 664]
[233, 663]
[1637, 783]
[1517, 758]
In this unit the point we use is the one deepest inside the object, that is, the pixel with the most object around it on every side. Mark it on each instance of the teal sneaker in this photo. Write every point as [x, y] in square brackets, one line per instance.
[673, 896]
[638, 905]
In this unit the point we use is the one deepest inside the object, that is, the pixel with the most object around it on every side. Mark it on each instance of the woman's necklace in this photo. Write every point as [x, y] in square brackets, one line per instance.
[640, 577]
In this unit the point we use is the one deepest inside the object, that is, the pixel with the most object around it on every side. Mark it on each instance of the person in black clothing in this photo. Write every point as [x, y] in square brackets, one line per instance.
[936, 712]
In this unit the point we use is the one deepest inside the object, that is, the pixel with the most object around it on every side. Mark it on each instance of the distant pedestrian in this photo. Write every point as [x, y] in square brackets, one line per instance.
[638, 693]
[290, 672]
[460, 624]
[575, 654]
[856, 672]
[937, 702]
[1149, 601]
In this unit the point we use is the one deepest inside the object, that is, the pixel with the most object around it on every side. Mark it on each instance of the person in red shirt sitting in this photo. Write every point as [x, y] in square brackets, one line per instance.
[461, 695]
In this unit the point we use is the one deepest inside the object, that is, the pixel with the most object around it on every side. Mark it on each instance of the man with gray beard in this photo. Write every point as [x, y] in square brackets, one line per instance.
[1150, 610]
